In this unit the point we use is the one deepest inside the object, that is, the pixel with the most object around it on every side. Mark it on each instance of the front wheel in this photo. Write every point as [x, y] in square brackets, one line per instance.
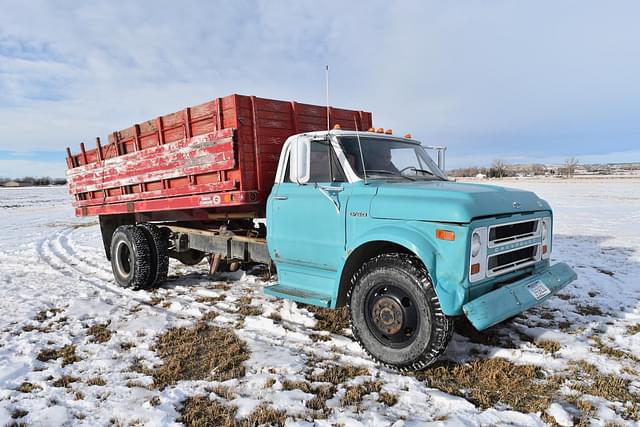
[395, 314]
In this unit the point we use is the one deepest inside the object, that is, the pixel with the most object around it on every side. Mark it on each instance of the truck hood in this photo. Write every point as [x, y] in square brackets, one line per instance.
[448, 201]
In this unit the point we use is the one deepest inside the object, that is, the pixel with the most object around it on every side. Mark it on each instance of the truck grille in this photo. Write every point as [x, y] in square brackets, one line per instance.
[513, 232]
[509, 261]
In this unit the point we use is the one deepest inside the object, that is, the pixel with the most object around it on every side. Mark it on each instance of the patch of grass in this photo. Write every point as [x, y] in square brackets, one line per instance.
[354, 394]
[613, 352]
[548, 345]
[27, 387]
[388, 399]
[246, 309]
[275, 316]
[221, 286]
[488, 382]
[319, 337]
[100, 333]
[337, 374]
[222, 391]
[210, 299]
[269, 383]
[97, 381]
[330, 319]
[65, 381]
[200, 352]
[488, 337]
[588, 310]
[78, 395]
[47, 314]
[155, 300]
[323, 393]
[199, 411]
[304, 386]
[209, 315]
[633, 329]
[66, 353]
[126, 346]
[19, 413]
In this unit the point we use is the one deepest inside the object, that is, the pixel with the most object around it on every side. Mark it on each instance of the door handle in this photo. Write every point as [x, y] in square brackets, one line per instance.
[280, 197]
[335, 189]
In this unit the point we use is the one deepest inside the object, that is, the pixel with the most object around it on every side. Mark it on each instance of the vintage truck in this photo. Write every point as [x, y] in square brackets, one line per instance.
[355, 216]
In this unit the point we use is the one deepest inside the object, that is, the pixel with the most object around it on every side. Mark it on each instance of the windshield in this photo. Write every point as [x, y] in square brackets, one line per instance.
[389, 158]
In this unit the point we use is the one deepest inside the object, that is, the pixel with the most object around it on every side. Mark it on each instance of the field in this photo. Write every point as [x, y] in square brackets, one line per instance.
[76, 349]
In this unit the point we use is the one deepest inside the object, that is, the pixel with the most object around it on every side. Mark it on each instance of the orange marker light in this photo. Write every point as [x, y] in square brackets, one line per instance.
[407, 135]
[475, 268]
[380, 130]
[445, 235]
[337, 126]
[371, 130]
[544, 249]
[389, 132]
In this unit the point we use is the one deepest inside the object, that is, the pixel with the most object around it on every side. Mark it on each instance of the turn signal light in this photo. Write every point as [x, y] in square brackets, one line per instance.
[371, 130]
[389, 132]
[445, 235]
[380, 130]
[475, 268]
[337, 126]
[407, 135]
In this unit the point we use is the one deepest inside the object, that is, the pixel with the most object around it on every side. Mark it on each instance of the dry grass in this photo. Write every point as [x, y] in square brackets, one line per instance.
[27, 387]
[588, 310]
[488, 382]
[633, 329]
[65, 381]
[155, 300]
[329, 319]
[222, 391]
[245, 307]
[47, 314]
[388, 399]
[337, 374]
[296, 385]
[100, 333]
[66, 353]
[613, 352]
[97, 381]
[275, 316]
[201, 352]
[19, 413]
[323, 393]
[210, 300]
[548, 345]
[355, 394]
[200, 411]
[319, 337]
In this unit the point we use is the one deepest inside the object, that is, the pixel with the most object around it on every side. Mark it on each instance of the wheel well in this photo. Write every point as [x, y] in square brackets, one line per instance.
[358, 257]
[108, 224]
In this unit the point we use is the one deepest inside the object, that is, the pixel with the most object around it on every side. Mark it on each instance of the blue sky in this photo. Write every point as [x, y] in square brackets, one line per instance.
[521, 81]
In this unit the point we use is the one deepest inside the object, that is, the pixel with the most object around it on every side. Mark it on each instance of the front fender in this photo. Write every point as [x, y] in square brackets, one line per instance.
[439, 257]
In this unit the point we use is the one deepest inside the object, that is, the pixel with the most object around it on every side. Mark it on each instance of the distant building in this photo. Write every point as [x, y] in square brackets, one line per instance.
[11, 184]
[481, 176]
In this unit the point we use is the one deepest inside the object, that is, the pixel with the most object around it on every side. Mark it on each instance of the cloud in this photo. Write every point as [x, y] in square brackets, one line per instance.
[488, 79]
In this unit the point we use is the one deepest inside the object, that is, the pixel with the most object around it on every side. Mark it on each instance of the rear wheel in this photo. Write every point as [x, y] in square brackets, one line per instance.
[159, 254]
[395, 314]
[130, 257]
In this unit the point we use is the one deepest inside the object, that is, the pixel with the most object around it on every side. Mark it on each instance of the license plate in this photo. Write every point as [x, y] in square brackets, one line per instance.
[538, 289]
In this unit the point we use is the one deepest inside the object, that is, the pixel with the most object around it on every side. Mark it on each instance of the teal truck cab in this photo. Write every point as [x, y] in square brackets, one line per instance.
[368, 220]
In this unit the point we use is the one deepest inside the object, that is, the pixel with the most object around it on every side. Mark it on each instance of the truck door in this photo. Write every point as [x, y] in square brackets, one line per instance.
[307, 223]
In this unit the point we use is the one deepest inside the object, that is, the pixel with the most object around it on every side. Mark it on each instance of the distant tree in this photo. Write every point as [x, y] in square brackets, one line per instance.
[570, 166]
[498, 168]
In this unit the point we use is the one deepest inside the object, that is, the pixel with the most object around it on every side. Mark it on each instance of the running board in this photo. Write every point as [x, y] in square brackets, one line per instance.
[298, 295]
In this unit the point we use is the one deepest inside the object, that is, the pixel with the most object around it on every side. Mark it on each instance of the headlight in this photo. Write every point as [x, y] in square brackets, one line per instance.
[475, 245]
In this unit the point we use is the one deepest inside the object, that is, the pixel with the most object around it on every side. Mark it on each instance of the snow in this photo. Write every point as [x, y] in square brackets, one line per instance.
[52, 261]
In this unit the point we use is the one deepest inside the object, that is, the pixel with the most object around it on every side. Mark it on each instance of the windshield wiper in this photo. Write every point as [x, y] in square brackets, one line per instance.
[386, 172]
[425, 171]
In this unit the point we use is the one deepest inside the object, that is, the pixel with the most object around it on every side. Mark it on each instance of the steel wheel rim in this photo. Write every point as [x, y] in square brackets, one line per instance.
[391, 315]
[124, 262]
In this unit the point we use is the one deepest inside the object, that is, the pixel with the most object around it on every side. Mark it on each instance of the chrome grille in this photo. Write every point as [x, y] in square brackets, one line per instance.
[513, 232]
[504, 262]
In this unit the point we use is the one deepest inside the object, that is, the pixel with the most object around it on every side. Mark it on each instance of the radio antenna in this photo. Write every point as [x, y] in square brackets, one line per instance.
[364, 170]
[326, 73]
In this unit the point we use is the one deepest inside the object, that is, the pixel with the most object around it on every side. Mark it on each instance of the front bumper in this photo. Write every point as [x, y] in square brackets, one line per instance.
[516, 297]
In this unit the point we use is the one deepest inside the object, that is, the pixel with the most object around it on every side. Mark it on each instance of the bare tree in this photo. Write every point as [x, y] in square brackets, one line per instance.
[570, 166]
[499, 168]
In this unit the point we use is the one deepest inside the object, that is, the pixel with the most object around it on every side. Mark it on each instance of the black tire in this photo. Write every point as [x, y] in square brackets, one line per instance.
[188, 257]
[395, 314]
[130, 257]
[159, 251]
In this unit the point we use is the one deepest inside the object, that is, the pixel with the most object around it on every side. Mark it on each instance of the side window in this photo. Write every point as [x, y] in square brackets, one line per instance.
[324, 164]
[287, 169]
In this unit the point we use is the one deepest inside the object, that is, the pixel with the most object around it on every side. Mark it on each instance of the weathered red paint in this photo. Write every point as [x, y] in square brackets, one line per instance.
[220, 156]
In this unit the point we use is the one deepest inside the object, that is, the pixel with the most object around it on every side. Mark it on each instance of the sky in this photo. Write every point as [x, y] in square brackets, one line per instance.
[521, 81]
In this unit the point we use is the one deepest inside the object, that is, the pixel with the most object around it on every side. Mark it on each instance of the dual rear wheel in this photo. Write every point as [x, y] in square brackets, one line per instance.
[139, 256]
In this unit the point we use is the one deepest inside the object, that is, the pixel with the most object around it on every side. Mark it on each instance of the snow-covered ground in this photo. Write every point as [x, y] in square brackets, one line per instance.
[56, 284]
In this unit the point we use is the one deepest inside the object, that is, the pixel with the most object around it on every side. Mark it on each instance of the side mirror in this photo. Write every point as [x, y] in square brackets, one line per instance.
[300, 160]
